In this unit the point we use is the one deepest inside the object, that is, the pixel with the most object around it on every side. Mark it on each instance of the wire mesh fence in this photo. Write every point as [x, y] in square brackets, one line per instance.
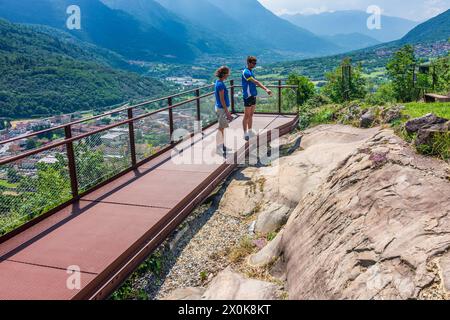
[32, 186]
[208, 114]
[152, 134]
[30, 143]
[98, 123]
[101, 156]
[265, 103]
[184, 119]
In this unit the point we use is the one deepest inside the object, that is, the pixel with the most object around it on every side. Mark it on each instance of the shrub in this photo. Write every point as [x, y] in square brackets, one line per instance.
[439, 146]
[385, 94]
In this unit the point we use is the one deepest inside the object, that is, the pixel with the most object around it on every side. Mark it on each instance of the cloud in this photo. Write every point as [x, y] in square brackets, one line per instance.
[413, 9]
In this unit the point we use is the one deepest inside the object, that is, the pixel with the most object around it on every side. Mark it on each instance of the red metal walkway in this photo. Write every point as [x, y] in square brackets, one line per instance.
[111, 230]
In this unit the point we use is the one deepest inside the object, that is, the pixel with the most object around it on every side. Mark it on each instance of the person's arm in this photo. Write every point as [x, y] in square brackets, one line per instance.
[259, 84]
[249, 77]
[224, 104]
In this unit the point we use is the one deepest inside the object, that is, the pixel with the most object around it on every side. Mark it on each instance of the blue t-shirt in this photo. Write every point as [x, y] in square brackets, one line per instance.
[248, 87]
[219, 87]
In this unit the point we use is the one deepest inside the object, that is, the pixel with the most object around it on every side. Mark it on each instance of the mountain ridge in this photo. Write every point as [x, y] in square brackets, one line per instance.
[351, 21]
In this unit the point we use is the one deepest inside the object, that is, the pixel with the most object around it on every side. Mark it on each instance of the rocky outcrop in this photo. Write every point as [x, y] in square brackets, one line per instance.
[368, 218]
[378, 228]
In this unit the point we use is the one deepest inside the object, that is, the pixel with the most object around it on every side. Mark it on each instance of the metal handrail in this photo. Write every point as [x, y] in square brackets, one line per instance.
[71, 139]
[125, 107]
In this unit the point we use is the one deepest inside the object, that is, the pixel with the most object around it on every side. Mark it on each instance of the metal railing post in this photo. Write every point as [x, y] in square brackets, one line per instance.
[71, 162]
[132, 138]
[197, 94]
[233, 110]
[279, 96]
[171, 129]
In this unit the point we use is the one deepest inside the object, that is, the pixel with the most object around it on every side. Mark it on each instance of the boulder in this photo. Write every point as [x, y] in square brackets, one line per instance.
[425, 135]
[367, 119]
[392, 114]
[349, 114]
[229, 285]
[272, 218]
[413, 126]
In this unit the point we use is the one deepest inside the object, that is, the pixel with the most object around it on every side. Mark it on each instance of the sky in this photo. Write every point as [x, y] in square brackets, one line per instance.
[417, 10]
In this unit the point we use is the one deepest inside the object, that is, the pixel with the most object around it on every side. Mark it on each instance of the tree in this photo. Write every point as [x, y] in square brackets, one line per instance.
[31, 144]
[384, 94]
[441, 74]
[401, 70]
[341, 86]
[306, 89]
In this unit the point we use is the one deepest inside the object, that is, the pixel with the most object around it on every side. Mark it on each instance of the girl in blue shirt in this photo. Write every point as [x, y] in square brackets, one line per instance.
[222, 107]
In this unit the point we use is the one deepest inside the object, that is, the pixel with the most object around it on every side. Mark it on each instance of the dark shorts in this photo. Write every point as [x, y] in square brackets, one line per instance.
[250, 102]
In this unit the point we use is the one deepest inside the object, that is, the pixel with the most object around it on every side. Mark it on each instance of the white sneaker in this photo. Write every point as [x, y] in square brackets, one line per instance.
[251, 134]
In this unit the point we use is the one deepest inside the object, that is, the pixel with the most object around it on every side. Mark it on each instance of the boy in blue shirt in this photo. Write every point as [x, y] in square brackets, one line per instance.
[222, 104]
[250, 92]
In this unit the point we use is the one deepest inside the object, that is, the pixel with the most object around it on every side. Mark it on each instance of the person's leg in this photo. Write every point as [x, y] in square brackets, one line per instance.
[245, 122]
[251, 113]
[220, 137]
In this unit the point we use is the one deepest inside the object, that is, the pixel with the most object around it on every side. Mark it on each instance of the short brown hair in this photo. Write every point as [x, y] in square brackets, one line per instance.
[222, 71]
[251, 59]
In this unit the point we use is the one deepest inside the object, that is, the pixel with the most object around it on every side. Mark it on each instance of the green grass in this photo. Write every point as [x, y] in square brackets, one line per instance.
[419, 109]
[6, 184]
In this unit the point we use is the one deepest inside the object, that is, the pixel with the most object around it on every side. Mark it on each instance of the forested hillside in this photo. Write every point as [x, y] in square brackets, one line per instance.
[46, 74]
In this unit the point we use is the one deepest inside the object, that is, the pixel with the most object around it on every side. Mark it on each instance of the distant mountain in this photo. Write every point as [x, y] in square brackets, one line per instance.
[178, 31]
[250, 26]
[45, 71]
[151, 13]
[347, 22]
[430, 40]
[435, 29]
[352, 41]
[103, 26]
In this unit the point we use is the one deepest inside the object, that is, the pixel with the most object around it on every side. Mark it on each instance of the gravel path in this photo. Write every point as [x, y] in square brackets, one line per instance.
[197, 251]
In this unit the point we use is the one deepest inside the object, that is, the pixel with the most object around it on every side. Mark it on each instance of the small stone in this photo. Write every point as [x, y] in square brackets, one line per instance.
[251, 228]
[186, 294]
